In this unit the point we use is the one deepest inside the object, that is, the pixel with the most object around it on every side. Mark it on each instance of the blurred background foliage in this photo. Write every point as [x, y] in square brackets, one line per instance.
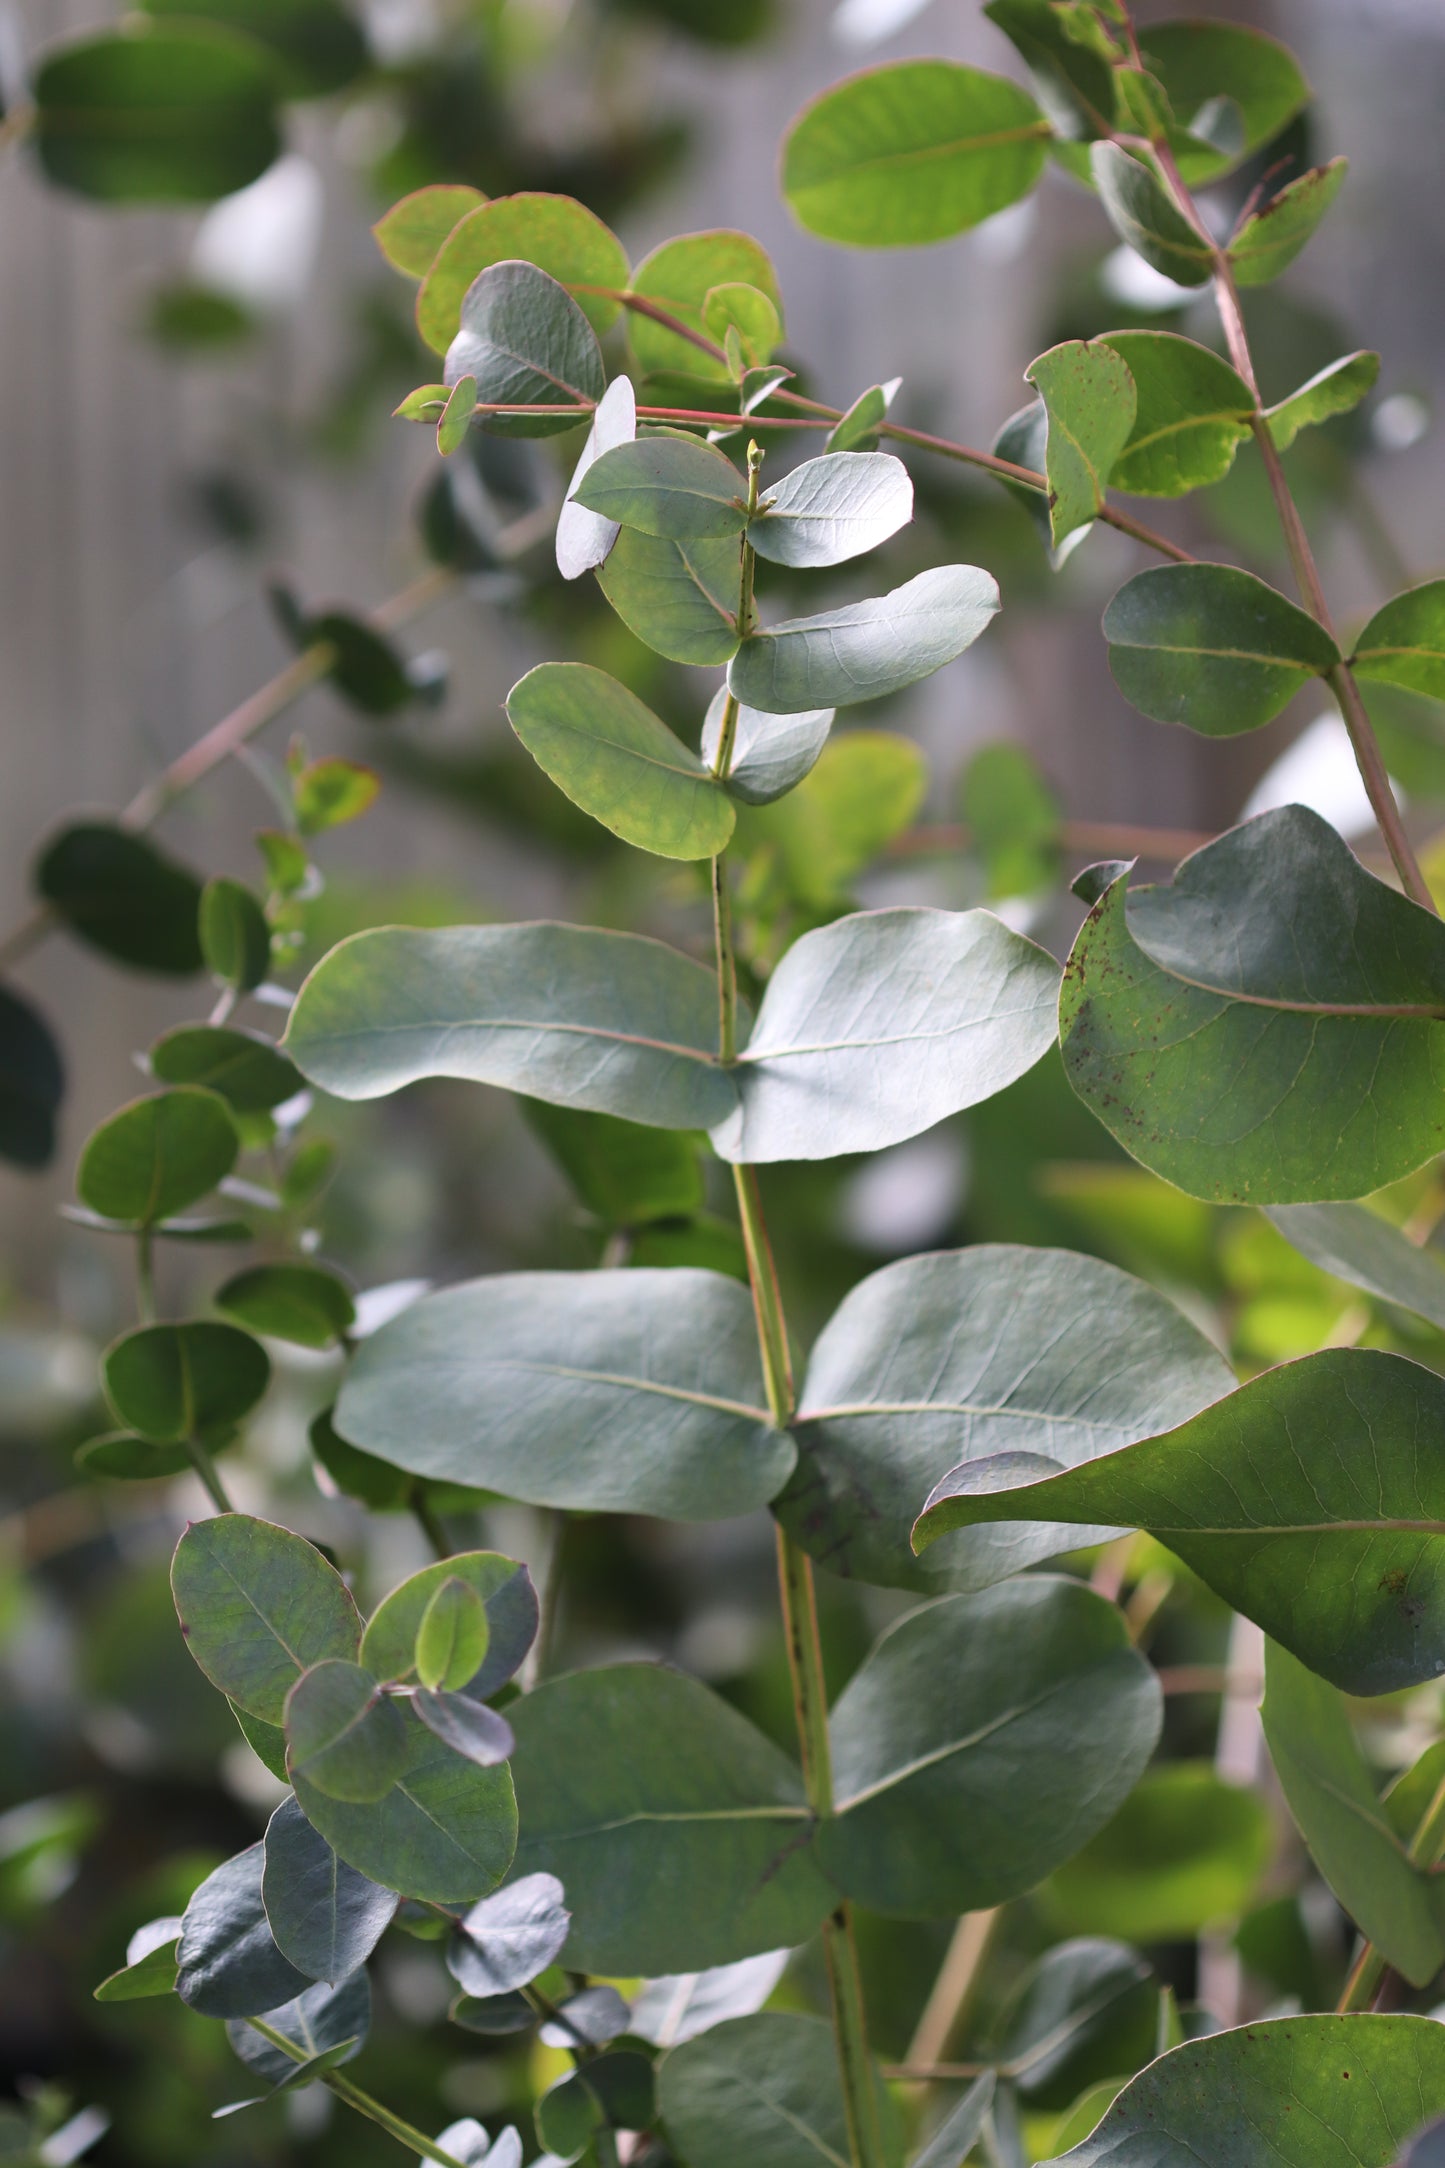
[197, 406]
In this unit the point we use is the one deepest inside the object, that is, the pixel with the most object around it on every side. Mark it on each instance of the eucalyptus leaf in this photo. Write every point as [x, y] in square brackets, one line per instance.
[589, 2018]
[1085, 2001]
[1332, 1796]
[1090, 402]
[298, 1302]
[444, 1833]
[679, 2006]
[604, 2092]
[320, 2020]
[1192, 413]
[859, 427]
[1404, 643]
[912, 152]
[32, 1083]
[961, 1006]
[982, 1741]
[174, 1382]
[960, 2129]
[1197, 63]
[257, 1605]
[680, 598]
[762, 2088]
[150, 1966]
[866, 649]
[556, 235]
[123, 896]
[938, 1360]
[243, 1067]
[678, 277]
[266, 1741]
[317, 45]
[326, 1918]
[680, 1833]
[127, 1457]
[1356, 1245]
[1143, 216]
[468, 1727]
[668, 486]
[528, 344]
[343, 1736]
[634, 1392]
[584, 540]
[511, 1937]
[1336, 389]
[1212, 647]
[1185, 1852]
[234, 936]
[1261, 1496]
[622, 1173]
[866, 788]
[1295, 2090]
[1269, 241]
[771, 753]
[1275, 960]
[157, 1156]
[617, 760]
[607, 1021]
[411, 232]
[1072, 80]
[451, 1641]
[228, 1964]
[388, 1647]
[832, 508]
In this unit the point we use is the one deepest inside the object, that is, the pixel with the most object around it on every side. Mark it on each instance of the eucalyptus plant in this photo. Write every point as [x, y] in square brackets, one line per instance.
[616, 1854]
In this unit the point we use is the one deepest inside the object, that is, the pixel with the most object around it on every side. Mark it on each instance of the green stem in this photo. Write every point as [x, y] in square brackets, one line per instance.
[205, 1468]
[395, 2126]
[551, 1602]
[145, 1276]
[429, 1522]
[1425, 1851]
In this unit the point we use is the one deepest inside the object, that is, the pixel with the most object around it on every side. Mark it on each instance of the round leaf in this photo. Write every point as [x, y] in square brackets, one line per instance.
[243, 1066]
[510, 1938]
[557, 235]
[235, 938]
[290, 1302]
[257, 1606]
[123, 1455]
[412, 231]
[317, 44]
[668, 486]
[1211, 647]
[867, 649]
[680, 598]
[1144, 216]
[1192, 412]
[764, 2089]
[528, 344]
[1404, 643]
[228, 1964]
[172, 1382]
[678, 277]
[32, 1083]
[323, 2021]
[157, 1156]
[451, 1640]
[468, 1727]
[343, 1737]
[618, 761]
[583, 539]
[1337, 389]
[1269, 242]
[124, 897]
[912, 152]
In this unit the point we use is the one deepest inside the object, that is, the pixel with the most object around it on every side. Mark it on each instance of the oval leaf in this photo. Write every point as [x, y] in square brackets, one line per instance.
[1269, 242]
[763, 2089]
[680, 598]
[1143, 216]
[667, 486]
[157, 1156]
[833, 508]
[1192, 412]
[325, 1917]
[257, 1605]
[679, 276]
[528, 344]
[228, 1964]
[412, 231]
[867, 649]
[508, 1939]
[505, 1589]
[583, 539]
[124, 897]
[301, 1303]
[469, 1728]
[635, 1392]
[553, 233]
[1404, 643]
[343, 1737]
[173, 1382]
[1089, 402]
[1211, 647]
[235, 938]
[1337, 389]
[451, 1641]
[242, 1066]
[771, 753]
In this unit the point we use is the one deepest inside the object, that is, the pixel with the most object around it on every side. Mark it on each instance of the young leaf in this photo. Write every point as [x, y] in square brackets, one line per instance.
[763, 2089]
[747, 312]
[173, 1382]
[444, 1833]
[1185, 1851]
[508, 1598]
[242, 1066]
[451, 1640]
[1211, 647]
[833, 508]
[156, 115]
[234, 936]
[635, 1392]
[228, 1965]
[257, 1605]
[157, 1156]
[1143, 216]
[965, 1005]
[897, 1387]
[123, 896]
[1332, 1796]
[528, 344]
[468, 1727]
[1089, 401]
[623, 1174]
[982, 1741]
[668, 486]
[301, 1303]
[1356, 1245]
[343, 1736]
[679, 2006]
[1302, 2087]
[617, 760]
[1275, 960]
[681, 598]
[321, 2021]
[329, 793]
[509, 1939]
[426, 404]
[32, 1083]
[1337, 389]
[1269, 241]
[1192, 413]
[858, 429]
[1404, 643]
[678, 277]
[771, 753]
[681, 1833]
[1197, 63]
[584, 540]
[150, 1964]
[1260, 1495]
[412, 231]
[867, 649]
[912, 152]
[557, 235]
[456, 416]
[325, 1917]
[612, 1022]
